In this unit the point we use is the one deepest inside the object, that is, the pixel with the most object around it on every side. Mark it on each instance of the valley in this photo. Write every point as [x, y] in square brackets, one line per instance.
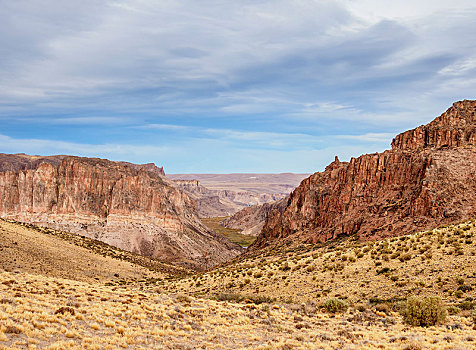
[247, 304]
[375, 253]
[238, 175]
[233, 234]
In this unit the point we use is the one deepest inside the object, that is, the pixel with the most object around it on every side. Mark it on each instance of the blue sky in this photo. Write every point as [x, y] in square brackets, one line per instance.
[228, 86]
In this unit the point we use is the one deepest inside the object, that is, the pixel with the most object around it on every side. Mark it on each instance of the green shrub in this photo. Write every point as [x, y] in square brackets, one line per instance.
[335, 305]
[423, 312]
[453, 310]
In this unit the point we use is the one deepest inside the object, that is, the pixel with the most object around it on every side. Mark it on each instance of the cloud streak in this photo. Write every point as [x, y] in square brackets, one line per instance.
[269, 74]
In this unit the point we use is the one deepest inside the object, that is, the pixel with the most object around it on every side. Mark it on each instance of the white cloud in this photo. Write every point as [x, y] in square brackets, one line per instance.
[370, 137]
[48, 147]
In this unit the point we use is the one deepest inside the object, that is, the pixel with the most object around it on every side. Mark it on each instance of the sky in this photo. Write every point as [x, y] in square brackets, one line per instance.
[228, 86]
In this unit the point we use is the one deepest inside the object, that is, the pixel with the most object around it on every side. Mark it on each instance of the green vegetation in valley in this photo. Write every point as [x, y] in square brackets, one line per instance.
[232, 234]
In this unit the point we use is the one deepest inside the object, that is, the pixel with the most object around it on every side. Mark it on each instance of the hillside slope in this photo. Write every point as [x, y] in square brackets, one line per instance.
[437, 262]
[54, 313]
[45, 252]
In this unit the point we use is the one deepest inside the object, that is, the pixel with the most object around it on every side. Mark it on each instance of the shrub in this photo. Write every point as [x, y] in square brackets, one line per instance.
[467, 305]
[234, 297]
[453, 310]
[184, 298]
[383, 270]
[238, 298]
[405, 257]
[335, 305]
[423, 312]
[285, 267]
[258, 275]
[464, 288]
[386, 308]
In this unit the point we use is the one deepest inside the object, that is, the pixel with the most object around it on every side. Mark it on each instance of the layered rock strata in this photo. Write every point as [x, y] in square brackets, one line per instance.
[213, 203]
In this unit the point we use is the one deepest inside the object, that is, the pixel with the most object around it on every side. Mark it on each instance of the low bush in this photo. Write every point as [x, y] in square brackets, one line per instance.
[237, 298]
[453, 310]
[335, 305]
[467, 305]
[423, 312]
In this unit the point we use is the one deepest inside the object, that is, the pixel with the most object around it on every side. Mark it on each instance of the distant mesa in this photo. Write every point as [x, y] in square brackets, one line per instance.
[428, 178]
[219, 195]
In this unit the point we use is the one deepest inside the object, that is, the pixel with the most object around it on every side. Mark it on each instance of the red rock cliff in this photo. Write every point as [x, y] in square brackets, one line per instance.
[427, 179]
[130, 207]
[251, 219]
[455, 127]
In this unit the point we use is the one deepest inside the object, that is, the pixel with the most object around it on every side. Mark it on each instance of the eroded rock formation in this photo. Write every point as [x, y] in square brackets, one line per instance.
[251, 219]
[128, 206]
[223, 202]
[427, 178]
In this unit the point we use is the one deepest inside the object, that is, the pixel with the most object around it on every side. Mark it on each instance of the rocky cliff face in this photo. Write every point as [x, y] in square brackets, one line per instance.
[427, 178]
[456, 127]
[251, 219]
[130, 207]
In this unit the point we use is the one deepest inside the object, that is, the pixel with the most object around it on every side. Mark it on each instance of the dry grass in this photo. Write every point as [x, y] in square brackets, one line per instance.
[53, 313]
[271, 301]
[439, 262]
[27, 248]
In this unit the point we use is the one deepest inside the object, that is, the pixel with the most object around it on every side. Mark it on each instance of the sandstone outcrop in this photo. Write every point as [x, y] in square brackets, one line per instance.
[128, 206]
[428, 178]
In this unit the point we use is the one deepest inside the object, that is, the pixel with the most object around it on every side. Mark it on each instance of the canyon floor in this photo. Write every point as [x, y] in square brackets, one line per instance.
[234, 235]
[268, 301]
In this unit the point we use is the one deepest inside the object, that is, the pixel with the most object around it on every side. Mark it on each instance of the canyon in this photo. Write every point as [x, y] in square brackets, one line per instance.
[220, 195]
[250, 220]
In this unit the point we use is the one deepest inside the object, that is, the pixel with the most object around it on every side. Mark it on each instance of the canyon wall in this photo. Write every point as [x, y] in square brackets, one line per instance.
[223, 202]
[428, 178]
[250, 220]
[128, 206]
